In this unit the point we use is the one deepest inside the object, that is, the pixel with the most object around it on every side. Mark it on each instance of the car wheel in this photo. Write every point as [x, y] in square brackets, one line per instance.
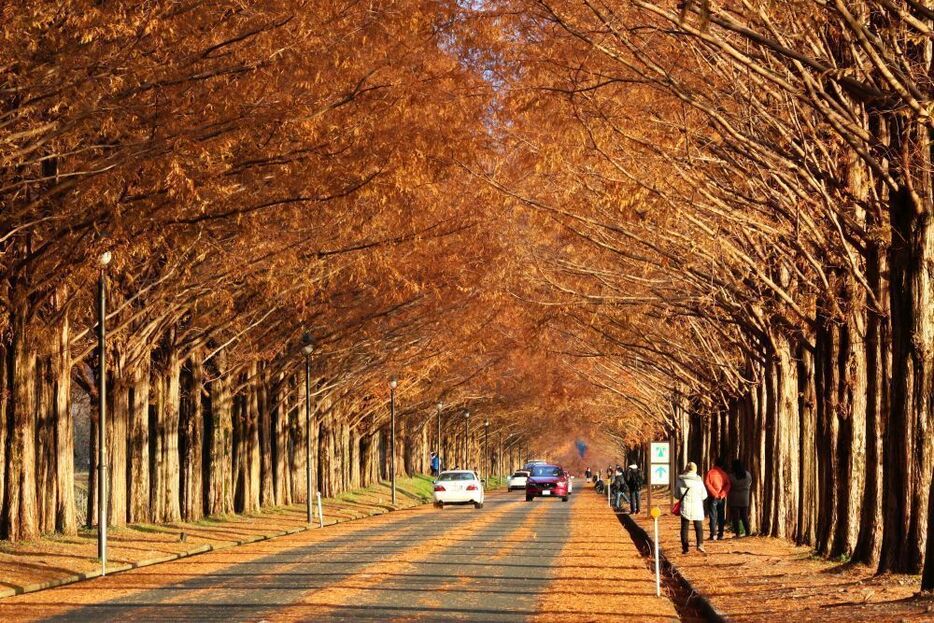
[529, 498]
[564, 499]
[478, 504]
[441, 505]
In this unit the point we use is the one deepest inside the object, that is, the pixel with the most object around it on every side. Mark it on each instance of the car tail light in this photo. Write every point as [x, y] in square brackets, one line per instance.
[471, 487]
[439, 488]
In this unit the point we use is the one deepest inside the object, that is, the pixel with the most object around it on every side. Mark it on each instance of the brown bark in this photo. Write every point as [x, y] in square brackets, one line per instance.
[826, 360]
[118, 412]
[46, 454]
[4, 425]
[20, 512]
[297, 436]
[220, 437]
[192, 440]
[909, 448]
[280, 438]
[869, 541]
[807, 409]
[137, 466]
[850, 477]
[166, 502]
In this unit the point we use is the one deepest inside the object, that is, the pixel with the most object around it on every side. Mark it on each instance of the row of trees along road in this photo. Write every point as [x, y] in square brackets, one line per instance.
[621, 219]
[257, 171]
[740, 200]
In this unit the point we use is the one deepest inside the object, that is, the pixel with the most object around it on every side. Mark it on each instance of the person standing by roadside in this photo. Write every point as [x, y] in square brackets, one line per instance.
[435, 465]
[692, 493]
[718, 486]
[634, 483]
[738, 499]
[619, 488]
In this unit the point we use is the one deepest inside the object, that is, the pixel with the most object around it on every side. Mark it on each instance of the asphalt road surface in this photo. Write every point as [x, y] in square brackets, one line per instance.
[510, 561]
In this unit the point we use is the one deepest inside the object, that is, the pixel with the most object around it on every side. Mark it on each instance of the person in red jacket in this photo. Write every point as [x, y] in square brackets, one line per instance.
[718, 486]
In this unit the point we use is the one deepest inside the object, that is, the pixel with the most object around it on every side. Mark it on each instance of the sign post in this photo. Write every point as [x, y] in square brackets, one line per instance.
[656, 512]
[659, 466]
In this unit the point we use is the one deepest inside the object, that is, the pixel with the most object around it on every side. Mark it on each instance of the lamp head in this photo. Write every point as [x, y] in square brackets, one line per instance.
[393, 383]
[440, 406]
[467, 414]
[486, 423]
[105, 258]
[308, 343]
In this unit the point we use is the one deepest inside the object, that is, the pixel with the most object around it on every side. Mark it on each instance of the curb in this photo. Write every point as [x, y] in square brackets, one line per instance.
[701, 601]
[200, 549]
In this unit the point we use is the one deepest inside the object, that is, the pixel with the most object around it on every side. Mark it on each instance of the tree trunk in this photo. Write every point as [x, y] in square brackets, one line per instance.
[869, 542]
[851, 466]
[280, 438]
[118, 410]
[46, 453]
[192, 440]
[137, 474]
[264, 429]
[220, 436]
[167, 484]
[807, 409]
[20, 513]
[298, 451]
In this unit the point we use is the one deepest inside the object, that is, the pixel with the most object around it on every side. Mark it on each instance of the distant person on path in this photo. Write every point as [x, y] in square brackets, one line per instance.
[619, 488]
[634, 483]
[738, 499]
[588, 473]
[435, 464]
[718, 486]
[692, 493]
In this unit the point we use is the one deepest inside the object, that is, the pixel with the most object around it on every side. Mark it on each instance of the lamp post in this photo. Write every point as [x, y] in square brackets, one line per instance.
[102, 499]
[440, 406]
[308, 346]
[487, 463]
[466, 439]
[392, 436]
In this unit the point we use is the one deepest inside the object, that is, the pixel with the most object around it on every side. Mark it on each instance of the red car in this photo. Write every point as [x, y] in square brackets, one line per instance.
[547, 481]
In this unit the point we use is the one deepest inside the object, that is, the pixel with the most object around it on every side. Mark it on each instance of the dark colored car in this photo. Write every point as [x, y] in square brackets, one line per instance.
[546, 481]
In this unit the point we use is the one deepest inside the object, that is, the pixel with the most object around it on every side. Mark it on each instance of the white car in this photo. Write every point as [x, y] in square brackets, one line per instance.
[517, 480]
[458, 487]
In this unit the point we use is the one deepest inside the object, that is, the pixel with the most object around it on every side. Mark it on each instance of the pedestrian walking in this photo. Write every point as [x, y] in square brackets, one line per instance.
[692, 493]
[435, 465]
[588, 473]
[619, 489]
[718, 487]
[634, 483]
[738, 498]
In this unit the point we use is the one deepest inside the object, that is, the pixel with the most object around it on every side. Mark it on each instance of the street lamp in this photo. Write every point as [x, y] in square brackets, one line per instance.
[393, 383]
[440, 406]
[466, 439]
[102, 411]
[308, 346]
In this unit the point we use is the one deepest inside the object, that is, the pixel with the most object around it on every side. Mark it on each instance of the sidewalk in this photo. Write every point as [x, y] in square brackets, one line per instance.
[34, 565]
[768, 579]
[600, 576]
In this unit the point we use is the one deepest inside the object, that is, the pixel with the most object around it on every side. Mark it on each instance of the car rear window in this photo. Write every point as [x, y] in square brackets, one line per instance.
[520, 474]
[457, 476]
[546, 471]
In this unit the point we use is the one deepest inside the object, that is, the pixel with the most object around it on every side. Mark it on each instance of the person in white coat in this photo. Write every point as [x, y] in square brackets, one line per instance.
[692, 493]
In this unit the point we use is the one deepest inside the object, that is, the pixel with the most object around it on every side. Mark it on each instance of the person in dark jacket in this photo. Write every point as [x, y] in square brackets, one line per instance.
[619, 489]
[634, 483]
[738, 497]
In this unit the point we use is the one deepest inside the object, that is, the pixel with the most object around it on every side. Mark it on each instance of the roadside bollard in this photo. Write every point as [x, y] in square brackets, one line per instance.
[320, 512]
[656, 511]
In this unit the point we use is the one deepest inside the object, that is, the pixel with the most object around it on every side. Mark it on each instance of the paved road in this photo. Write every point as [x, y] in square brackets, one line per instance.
[510, 561]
